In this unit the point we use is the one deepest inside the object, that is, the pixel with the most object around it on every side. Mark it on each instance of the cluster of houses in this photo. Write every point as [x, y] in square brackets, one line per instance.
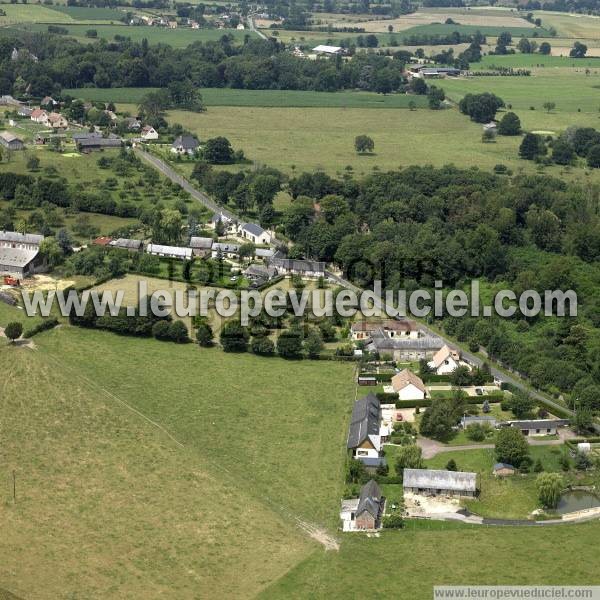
[19, 254]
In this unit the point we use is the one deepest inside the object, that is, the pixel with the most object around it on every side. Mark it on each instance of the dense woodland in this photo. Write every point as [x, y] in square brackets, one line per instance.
[420, 224]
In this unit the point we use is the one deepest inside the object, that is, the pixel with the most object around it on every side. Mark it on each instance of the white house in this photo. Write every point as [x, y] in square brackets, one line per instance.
[366, 433]
[39, 115]
[408, 385]
[185, 144]
[255, 233]
[228, 223]
[149, 133]
[445, 360]
[392, 328]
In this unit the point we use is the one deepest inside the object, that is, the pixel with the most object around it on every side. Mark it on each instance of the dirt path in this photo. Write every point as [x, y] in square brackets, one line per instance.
[318, 534]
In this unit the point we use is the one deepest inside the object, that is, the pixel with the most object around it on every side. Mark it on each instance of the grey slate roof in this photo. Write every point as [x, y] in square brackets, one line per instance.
[253, 228]
[99, 142]
[127, 244]
[22, 238]
[381, 341]
[264, 252]
[370, 499]
[499, 466]
[201, 243]
[260, 271]
[366, 415]
[187, 142]
[465, 421]
[538, 423]
[456, 481]
[227, 248]
[16, 257]
[301, 266]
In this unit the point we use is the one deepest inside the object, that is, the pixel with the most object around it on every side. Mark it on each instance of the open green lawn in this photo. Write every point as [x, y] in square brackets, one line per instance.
[261, 98]
[178, 38]
[407, 564]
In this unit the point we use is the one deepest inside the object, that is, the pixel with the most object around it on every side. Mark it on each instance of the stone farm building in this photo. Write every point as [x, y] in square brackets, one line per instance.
[393, 328]
[169, 251]
[404, 348]
[19, 253]
[432, 482]
[363, 513]
[201, 246]
[11, 141]
[127, 244]
[255, 233]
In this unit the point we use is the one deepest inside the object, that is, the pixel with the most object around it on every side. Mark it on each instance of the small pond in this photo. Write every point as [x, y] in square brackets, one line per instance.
[577, 500]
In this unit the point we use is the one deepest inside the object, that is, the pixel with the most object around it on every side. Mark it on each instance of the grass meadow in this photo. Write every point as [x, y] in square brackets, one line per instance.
[178, 38]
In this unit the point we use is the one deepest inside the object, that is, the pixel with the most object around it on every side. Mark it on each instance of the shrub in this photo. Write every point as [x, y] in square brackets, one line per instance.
[13, 331]
[393, 522]
[160, 330]
[43, 326]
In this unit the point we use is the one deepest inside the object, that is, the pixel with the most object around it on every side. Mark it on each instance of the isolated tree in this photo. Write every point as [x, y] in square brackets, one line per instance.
[524, 46]
[550, 487]
[204, 334]
[488, 135]
[13, 331]
[531, 146]
[408, 457]
[363, 143]
[451, 465]
[511, 446]
[435, 97]
[418, 86]
[545, 48]
[33, 163]
[510, 124]
[218, 151]
[578, 51]
[549, 106]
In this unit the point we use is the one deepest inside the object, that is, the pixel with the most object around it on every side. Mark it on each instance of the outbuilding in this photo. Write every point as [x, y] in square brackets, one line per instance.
[432, 482]
[11, 141]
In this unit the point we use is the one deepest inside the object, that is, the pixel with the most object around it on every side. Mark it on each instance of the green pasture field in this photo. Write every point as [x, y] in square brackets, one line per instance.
[487, 30]
[407, 564]
[536, 61]
[178, 38]
[32, 13]
[568, 89]
[90, 13]
[324, 138]
[264, 98]
[571, 25]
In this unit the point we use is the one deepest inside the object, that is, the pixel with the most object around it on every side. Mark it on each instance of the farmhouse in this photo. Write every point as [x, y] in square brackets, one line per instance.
[445, 361]
[169, 251]
[132, 123]
[17, 263]
[225, 250]
[127, 244]
[259, 274]
[440, 483]
[503, 470]
[226, 221]
[201, 245]
[86, 142]
[264, 253]
[149, 133]
[39, 115]
[185, 144]
[537, 426]
[402, 348]
[363, 513]
[393, 328]
[11, 141]
[365, 432]
[306, 268]
[408, 385]
[57, 121]
[255, 233]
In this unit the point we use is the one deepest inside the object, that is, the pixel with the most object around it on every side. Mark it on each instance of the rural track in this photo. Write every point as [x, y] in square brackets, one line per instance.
[175, 177]
[252, 25]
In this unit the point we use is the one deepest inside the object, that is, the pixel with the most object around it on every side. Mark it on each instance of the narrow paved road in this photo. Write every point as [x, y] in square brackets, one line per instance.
[254, 29]
[174, 176]
[475, 360]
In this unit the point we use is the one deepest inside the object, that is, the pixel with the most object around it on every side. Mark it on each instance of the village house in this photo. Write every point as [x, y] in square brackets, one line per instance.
[365, 512]
[366, 434]
[229, 225]
[503, 470]
[404, 348]
[255, 233]
[103, 240]
[259, 274]
[149, 133]
[11, 141]
[408, 386]
[224, 250]
[39, 115]
[169, 251]
[132, 123]
[393, 328]
[127, 244]
[57, 121]
[185, 144]
[22, 241]
[48, 102]
[445, 361]
[201, 246]
[537, 426]
[432, 482]
[305, 268]
[264, 253]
